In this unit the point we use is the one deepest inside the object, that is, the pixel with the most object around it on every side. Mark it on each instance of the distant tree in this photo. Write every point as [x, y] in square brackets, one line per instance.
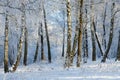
[118, 48]
[42, 42]
[104, 29]
[37, 46]
[92, 31]
[97, 39]
[47, 35]
[110, 34]
[63, 47]
[85, 39]
[36, 51]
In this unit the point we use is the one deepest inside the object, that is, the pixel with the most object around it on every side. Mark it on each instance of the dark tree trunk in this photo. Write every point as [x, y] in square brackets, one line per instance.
[93, 47]
[63, 47]
[85, 39]
[85, 46]
[110, 35]
[97, 39]
[25, 47]
[92, 32]
[47, 35]
[118, 49]
[42, 42]
[36, 51]
[104, 29]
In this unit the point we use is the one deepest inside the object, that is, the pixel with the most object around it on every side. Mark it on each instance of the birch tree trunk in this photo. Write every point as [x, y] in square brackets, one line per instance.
[6, 44]
[80, 34]
[69, 25]
[21, 38]
[76, 34]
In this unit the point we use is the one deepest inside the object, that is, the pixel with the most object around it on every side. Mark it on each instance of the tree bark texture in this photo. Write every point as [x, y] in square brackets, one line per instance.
[6, 45]
[80, 34]
[69, 25]
[21, 38]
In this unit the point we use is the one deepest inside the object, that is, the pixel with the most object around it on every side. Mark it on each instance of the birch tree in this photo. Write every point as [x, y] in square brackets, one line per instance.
[69, 26]
[6, 69]
[80, 33]
[75, 40]
[21, 37]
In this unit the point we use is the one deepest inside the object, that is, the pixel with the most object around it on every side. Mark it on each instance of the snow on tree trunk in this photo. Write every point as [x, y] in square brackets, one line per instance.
[21, 39]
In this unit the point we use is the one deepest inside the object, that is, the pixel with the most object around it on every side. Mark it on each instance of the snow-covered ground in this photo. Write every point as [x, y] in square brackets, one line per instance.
[56, 71]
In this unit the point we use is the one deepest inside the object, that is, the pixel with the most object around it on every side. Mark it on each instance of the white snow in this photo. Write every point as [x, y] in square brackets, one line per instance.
[56, 71]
